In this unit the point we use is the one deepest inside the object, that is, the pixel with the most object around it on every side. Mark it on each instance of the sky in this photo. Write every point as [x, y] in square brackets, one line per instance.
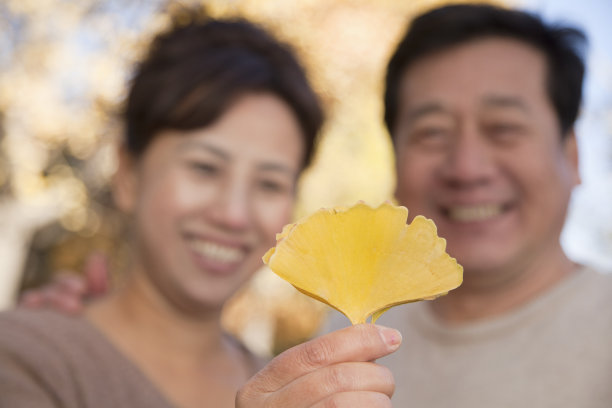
[588, 234]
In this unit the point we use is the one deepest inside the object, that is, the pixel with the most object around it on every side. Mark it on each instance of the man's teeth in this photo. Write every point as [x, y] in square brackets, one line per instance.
[474, 212]
[218, 252]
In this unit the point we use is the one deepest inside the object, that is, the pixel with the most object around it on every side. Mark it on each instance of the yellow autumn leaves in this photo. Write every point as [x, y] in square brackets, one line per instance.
[363, 260]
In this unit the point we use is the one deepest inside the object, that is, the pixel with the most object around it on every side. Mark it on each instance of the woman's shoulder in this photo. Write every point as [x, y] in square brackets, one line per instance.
[45, 342]
[33, 319]
[49, 356]
[44, 334]
[35, 367]
[37, 329]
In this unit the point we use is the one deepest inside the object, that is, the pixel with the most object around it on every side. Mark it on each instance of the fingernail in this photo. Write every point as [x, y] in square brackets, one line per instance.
[391, 337]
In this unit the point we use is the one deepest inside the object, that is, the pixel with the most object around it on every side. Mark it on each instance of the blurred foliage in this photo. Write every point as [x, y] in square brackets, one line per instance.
[63, 69]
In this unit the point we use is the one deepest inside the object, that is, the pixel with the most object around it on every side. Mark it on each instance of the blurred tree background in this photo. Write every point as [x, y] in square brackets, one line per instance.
[63, 69]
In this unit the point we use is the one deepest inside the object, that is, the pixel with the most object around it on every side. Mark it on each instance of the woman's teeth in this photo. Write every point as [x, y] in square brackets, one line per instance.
[474, 212]
[216, 252]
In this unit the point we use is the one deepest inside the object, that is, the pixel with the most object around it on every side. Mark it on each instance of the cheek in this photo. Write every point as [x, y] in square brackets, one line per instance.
[178, 192]
[191, 195]
[167, 200]
[543, 181]
[273, 216]
[540, 171]
[414, 177]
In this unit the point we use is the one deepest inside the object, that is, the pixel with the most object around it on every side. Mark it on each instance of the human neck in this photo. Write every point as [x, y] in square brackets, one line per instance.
[474, 301]
[186, 356]
[136, 314]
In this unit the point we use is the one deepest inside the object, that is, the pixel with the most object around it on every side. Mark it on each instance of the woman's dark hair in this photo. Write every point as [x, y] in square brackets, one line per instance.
[449, 26]
[195, 71]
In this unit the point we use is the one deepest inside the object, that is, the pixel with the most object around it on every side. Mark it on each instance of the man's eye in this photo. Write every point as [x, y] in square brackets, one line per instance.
[430, 136]
[433, 132]
[505, 130]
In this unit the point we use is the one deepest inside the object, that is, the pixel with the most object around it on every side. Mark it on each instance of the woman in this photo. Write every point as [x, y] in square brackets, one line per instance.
[220, 121]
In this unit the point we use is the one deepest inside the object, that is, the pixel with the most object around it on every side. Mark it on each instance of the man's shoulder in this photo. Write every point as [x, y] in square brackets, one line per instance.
[595, 282]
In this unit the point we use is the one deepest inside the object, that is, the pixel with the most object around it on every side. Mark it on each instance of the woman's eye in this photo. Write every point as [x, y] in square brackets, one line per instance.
[272, 186]
[204, 168]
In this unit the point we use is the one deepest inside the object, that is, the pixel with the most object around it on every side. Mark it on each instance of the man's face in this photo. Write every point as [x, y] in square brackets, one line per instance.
[479, 150]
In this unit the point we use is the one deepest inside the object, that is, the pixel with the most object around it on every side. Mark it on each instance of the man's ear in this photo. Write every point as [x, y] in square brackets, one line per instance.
[124, 183]
[570, 148]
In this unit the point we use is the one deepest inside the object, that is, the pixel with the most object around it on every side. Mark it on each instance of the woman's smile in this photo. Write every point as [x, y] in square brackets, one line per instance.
[216, 257]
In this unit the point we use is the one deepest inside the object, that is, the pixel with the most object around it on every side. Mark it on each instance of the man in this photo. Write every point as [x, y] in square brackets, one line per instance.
[481, 102]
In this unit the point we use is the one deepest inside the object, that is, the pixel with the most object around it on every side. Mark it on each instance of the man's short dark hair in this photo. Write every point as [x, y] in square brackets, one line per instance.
[448, 26]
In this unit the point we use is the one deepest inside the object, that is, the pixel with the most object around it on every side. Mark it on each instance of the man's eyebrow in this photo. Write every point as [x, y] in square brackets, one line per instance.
[425, 109]
[499, 101]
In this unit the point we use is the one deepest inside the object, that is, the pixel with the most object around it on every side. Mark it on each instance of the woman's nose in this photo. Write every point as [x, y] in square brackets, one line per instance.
[233, 206]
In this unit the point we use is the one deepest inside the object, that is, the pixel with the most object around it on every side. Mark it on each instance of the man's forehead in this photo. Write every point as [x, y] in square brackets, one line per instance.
[472, 60]
[490, 102]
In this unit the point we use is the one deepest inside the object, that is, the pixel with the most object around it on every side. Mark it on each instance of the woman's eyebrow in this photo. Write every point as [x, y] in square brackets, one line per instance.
[192, 144]
[261, 166]
[276, 167]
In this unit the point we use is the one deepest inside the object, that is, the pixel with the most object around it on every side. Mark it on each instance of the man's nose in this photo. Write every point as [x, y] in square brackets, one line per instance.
[469, 160]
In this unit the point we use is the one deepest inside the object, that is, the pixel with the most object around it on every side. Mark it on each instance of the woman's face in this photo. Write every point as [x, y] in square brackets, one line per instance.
[207, 203]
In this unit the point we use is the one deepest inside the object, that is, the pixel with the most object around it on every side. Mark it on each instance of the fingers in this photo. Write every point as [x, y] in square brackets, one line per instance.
[97, 274]
[364, 342]
[68, 282]
[362, 399]
[63, 300]
[68, 292]
[65, 293]
[31, 299]
[343, 378]
[331, 371]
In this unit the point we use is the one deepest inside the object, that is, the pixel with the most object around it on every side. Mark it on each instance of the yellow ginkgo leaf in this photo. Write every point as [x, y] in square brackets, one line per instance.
[363, 260]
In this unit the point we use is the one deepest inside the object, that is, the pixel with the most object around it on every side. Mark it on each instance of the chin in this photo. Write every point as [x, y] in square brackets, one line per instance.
[205, 300]
[488, 271]
[202, 307]
[479, 258]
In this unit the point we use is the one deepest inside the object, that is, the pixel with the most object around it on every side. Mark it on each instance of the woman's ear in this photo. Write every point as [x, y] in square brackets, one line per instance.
[570, 147]
[124, 183]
